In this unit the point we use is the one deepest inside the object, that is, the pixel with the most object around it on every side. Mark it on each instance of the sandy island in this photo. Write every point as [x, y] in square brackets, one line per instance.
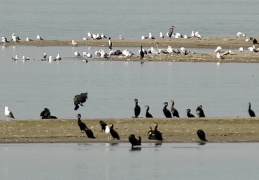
[174, 130]
[226, 43]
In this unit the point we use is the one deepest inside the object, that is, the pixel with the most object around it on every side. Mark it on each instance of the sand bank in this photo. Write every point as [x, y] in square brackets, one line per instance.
[174, 130]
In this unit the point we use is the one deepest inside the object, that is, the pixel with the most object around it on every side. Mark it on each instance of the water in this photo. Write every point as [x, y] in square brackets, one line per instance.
[117, 161]
[224, 91]
[53, 19]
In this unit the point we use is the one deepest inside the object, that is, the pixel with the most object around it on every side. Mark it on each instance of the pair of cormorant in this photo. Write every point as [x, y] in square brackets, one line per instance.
[173, 112]
[45, 114]
[155, 134]
[109, 129]
[84, 128]
[79, 100]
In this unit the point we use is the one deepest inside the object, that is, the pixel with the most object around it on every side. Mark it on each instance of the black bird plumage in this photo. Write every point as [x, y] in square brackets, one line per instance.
[158, 134]
[80, 99]
[173, 110]
[200, 111]
[103, 125]
[148, 115]
[250, 111]
[171, 30]
[114, 133]
[45, 114]
[201, 135]
[137, 108]
[167, 113]
[189, 114]
[84, 128]
[151, 133]
[141, 53]
[134, 141]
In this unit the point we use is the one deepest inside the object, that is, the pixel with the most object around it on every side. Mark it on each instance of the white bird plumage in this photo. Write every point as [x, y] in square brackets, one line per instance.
[8, 113]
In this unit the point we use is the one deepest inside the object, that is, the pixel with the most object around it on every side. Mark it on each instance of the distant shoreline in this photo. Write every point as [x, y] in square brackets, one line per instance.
[227, 43]
[174, 130]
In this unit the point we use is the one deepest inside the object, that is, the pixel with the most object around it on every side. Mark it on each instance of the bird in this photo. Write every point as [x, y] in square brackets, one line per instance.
[150, 36]
[103, 125]
[218, 49]
[141, 53]
[80, 99]
[173, 110]
[151, 133]
[58, 58]
[200, 111]
[250, 111]
[44, 57]
[77, 54]
[114, 133]
[15, 58]
[167, 113]
[219, 56]
[8, 113]
[84, 128]
[158, 134]
[15, 38]
[134, 141]
[189, 114]
[137, 108]
[45, 114]
[28, 39]
[39, 37]
[161, 35]
[201, 135]
[171, 30]
[74, 43]
[110, 43]
[25, 58]
[254, 41]
[148, 115]
[241, 49]
[4, 39]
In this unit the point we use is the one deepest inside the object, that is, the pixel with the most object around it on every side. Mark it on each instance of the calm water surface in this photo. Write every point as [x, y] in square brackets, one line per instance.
[224, 91]
[117, 161]
[66, 19]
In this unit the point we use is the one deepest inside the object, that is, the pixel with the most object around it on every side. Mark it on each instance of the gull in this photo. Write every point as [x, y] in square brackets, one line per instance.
[219, 56]
[58, 58]
[127, 53]
[51, 58]
[15, 58]
[153, 51]
[197, 35]
[84, 38]
[184, 51]
[143, 37]
[28, 39]
[161, 35]
[186, 37]
[4, 39]
[103, 36]
[15, 38]
[44, 57]
[169, 49]
[77, 54]
[192, 34]
[120, 37]
[218, 49]
[107, 131]
[89, 55]
[178, 35]
[241, 49]
[89, 35]
[74, 43]
[150, 36]
[25, 58]
[39, 37]
[8, 113]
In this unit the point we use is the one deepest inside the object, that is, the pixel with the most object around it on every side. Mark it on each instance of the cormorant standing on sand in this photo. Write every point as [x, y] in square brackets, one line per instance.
[148, 115]
[201, 135]
[171, 30]
[158, 134]
[250, 111]
[200, 111]
[167, 113]
[114, 133]
[189, 114]
[137, 108]
[84, 128]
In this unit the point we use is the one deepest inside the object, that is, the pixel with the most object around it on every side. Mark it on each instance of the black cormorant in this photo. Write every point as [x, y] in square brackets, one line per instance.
[134, 141]
[84, 128]
[167, 113]
[189, 114]
[137, 108]
[200, 111]
[79, 100]
[141, 53]
[173, 110]
[151, 133]
[158, 134]
[148, 115]
[45, 114]
[114, 133]
[171, 30]
[201, 135]
[255, 41]
[103, 125]
[250, 111]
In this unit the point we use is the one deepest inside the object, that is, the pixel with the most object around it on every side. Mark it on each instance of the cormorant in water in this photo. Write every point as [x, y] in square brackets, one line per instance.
[79, 100]
[45, 114]
[201, 135]
[103, 125]
[148, 115]
[141, 53]
[134, 141]
[174, 111]
[200, 111]
[167, 113]
[158, 134]
[189, 114]
[151, 133]
[114, 133]
[250, 111]
[84, 128]
[137, 108]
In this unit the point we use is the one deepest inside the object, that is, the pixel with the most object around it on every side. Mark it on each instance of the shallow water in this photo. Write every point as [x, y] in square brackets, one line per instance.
[28, 87]
[117, 161]
[131, 19]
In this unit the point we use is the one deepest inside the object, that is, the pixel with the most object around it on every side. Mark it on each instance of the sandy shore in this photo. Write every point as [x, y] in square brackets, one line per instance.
[226, 43]
[174, 130]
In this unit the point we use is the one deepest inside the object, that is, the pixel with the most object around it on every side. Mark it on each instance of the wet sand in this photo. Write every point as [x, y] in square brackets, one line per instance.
[226, 43]
[174, 130]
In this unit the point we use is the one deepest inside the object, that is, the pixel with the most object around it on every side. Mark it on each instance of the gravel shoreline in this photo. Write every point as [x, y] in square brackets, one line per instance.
[174, 130]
